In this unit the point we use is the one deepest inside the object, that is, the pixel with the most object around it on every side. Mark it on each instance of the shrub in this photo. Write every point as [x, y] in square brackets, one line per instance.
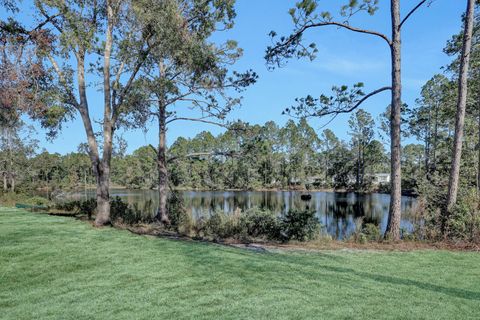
[461, 224]
[371, 232]
[180, 220]
[38, 201]
[69, 206]
[129, 214]
[407, 236]
[87, 207]
[365, 232]
[223, 226]
[79, 206]
[464, 220]
[249, 225]
[299, 225]
[429, 207]
[260, 224]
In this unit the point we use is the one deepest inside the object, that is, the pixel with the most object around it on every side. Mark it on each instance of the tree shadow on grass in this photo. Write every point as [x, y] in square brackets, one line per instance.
[249, 260]
[454, 292]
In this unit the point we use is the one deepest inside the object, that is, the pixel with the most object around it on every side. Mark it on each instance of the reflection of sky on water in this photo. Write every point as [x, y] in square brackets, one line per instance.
[337, 212]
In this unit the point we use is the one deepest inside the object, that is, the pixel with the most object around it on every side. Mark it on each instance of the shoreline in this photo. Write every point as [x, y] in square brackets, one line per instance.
[407, 193]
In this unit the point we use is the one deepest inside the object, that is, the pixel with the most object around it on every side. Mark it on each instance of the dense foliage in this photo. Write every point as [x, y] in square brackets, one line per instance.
[243, 157]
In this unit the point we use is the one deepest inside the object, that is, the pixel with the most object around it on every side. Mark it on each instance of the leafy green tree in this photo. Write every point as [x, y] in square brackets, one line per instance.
[110, 41]
[361, 130]
[140, 169]
[453, 184]
[15, 149]
[425, 121]
[342, 166]
[413, 160]
[189, 72]
[329, 142]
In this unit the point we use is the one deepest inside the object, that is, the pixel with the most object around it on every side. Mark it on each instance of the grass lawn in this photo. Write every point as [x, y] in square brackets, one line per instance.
[60, 268]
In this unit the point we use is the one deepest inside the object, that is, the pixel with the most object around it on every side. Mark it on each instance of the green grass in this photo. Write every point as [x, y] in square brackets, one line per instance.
[60, 268]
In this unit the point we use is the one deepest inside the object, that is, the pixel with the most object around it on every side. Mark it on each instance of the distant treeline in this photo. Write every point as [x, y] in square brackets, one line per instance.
[243, 157]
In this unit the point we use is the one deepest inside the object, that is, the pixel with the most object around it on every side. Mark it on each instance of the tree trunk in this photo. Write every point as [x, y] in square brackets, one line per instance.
[162, 214]
[103, 174]
[478, 155]
[393, 226]
[327, 149]
[362, 172]
[103, 183]
[5, 184]
[435, 139]
[428, 138]
[101, 169]
[358, 165]
[12, 182]
[460, 115]
[103, 198]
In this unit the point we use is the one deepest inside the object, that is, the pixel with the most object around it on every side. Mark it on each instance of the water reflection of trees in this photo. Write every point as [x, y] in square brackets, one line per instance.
[338, 212]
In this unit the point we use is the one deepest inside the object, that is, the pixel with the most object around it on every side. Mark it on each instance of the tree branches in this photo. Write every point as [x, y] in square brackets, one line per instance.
[306, 16]
[282, 47]
[201, 154]
[197, 120]
[412, 12]
[344, 100]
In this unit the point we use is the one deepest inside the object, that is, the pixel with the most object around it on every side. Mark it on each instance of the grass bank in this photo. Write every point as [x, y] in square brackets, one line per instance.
[56, 267]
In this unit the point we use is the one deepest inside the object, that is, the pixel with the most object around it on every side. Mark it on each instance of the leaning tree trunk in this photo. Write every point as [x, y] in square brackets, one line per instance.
[460, 115]
[162, 214]
[100, 168]
[394, 215]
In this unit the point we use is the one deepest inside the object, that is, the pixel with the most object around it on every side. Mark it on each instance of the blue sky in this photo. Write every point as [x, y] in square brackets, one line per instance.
[344, 58]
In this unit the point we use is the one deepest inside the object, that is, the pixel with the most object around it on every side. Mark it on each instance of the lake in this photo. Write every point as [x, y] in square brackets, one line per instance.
[337, 211]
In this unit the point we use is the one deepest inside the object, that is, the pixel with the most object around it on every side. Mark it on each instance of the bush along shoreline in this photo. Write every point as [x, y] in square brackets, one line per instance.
[263, 226]
[247, 226]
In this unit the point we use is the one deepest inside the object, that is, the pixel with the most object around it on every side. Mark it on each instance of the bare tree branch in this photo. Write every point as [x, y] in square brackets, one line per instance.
[199, 154]
[198, 120]
[411, 12]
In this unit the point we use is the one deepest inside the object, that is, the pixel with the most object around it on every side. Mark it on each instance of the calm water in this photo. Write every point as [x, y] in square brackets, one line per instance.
[338, 212]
